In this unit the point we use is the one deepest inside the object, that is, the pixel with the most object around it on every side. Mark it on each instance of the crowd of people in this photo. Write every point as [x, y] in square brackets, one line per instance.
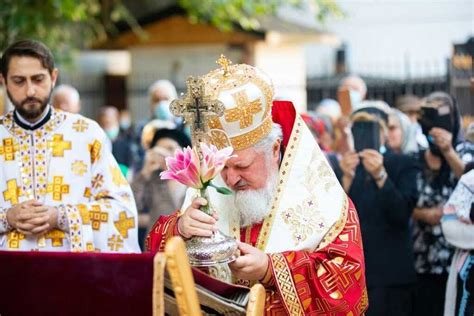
[407, 167]
[400, 186]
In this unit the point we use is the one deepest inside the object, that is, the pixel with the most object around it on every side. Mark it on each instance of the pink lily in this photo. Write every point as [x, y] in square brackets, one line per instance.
[213, 161]
[186, 168]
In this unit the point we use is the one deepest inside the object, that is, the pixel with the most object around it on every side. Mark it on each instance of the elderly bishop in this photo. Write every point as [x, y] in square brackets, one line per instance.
[299, 233]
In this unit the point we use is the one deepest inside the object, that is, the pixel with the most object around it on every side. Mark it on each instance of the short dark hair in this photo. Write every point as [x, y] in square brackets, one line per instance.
[29, 48]
[178, 136]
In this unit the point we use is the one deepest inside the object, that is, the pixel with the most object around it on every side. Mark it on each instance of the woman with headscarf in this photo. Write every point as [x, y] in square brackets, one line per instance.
[154, 196]
[382, 185]
[441, 167]
[401, 136]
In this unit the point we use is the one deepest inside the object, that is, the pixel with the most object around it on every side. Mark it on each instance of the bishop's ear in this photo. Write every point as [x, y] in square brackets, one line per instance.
[276, 150]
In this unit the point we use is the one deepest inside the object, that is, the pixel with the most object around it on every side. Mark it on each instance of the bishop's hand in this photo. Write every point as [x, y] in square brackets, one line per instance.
[251, 265]
[195, 222]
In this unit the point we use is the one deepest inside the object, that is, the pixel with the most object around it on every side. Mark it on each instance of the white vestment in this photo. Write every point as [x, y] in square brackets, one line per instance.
[65, 164]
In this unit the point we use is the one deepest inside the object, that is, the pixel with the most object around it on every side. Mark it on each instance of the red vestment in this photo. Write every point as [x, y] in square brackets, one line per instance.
[327, 281]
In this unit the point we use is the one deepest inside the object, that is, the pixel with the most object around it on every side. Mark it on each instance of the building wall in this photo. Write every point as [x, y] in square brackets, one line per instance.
[87, 75]
[396, 38]
[286, 66]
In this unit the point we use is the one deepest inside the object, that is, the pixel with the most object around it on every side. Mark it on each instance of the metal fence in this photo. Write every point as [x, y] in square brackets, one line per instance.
[387, 90]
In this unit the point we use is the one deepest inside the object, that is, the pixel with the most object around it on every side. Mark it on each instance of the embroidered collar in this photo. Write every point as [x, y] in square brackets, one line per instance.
[23, 123]
[56, 118]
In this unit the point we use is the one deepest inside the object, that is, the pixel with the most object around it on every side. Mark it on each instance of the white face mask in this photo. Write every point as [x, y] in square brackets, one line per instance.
[356, 98]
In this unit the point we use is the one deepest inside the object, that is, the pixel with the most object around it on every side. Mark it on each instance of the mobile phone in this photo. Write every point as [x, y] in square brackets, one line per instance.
[344, 99]
[431, 117]
[366, 135]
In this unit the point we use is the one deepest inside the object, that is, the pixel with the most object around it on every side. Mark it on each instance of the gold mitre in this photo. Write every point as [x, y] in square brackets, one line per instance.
[247, 95]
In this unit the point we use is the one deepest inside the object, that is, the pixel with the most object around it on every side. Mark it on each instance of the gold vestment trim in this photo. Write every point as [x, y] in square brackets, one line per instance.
[285, 168]
[337, 227]
[286, 285]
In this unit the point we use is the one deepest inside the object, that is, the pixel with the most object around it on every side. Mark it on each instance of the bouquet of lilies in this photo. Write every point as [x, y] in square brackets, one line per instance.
[186, 167]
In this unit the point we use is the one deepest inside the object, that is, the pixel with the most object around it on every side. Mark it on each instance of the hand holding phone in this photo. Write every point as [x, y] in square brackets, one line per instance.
[435, 118]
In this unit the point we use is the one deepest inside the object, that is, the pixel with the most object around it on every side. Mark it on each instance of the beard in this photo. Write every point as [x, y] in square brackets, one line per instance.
[30, 108]
[254, 205]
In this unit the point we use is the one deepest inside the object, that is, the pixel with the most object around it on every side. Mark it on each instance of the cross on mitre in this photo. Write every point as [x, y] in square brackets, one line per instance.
[224, 63]
[196, 108]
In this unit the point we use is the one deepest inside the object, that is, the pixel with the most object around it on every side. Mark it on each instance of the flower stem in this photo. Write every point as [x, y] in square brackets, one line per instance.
[205, 208]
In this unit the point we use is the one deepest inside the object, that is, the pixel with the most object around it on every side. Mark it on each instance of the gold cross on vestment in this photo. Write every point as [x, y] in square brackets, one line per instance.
[14, 239]
[79, 168]
[84, 213]
[80, 125]
[12, 193]
[244, 111]
[94, 150]
[117, 176]
[56, 237]
[115, 242]
[8, 149]
[196, 108]
[224, 63]
[124, 224]
[98, 217]
[58, 145]
[97, 181]
[57, 188]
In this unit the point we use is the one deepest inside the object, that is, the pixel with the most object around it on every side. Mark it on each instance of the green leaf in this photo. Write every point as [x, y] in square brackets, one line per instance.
[223, 190]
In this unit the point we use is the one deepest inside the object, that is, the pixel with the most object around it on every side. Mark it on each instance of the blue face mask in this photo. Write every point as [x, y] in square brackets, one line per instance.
[125, 124]
[112, 133]
[162, 111]
[187, 131]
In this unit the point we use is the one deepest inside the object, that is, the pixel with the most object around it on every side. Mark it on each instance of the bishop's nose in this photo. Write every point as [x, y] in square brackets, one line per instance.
[231, 178]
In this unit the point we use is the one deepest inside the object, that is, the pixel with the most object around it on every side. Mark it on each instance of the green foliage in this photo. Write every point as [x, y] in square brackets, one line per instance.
[225, 14]
[63, 25]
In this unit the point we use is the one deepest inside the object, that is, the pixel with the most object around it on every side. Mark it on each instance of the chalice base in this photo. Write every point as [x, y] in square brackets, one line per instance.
[210, 251]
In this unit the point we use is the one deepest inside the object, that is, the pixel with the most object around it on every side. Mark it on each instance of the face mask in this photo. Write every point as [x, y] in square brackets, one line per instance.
[162, 110]
[355, 99]
[112, 133]
[125, 124]
[187, 131]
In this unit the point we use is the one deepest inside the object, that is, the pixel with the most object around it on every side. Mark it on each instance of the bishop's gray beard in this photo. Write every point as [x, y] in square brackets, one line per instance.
[254, 205]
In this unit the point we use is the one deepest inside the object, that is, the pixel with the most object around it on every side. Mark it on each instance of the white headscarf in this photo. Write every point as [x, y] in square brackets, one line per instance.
[409, 144]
